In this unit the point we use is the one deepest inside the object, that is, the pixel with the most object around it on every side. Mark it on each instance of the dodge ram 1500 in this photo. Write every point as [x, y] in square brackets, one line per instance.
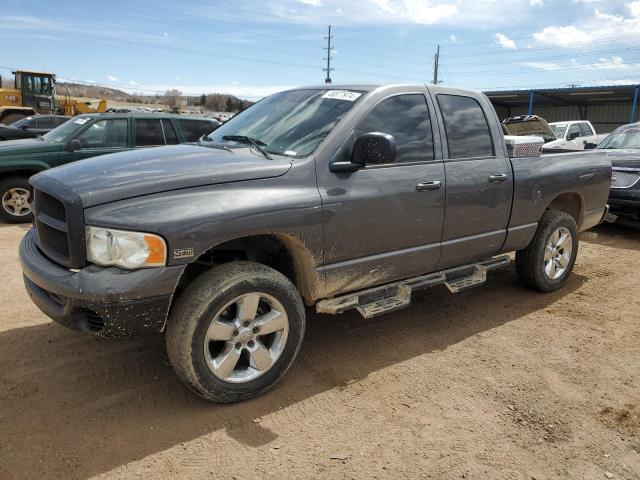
[334, 196]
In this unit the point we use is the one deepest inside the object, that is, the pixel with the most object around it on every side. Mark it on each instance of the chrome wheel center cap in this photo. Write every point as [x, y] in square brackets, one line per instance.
[244, 336]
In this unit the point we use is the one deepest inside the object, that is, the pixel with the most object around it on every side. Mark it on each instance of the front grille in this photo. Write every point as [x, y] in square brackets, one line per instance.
[58, 218]
[624, 178]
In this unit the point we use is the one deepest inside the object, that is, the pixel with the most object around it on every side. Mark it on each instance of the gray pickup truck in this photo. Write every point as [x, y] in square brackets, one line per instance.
[338, 197]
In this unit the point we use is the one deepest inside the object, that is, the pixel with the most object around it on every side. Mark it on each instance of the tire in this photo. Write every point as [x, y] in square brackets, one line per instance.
[10, 118]
[205, 330]
[15, 196]
[547, 262]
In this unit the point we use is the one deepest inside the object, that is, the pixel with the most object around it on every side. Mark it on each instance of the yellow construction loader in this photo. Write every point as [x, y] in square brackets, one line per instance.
[35, 92]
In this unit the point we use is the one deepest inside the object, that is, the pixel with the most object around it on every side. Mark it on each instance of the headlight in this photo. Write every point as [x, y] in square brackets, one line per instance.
[130, 250]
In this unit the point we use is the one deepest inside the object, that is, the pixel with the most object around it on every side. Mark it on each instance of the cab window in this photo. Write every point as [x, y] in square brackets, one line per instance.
[194, 129]
[105, 134]
[406, 118]
[467, 129]
[148, 132]
[573, 132]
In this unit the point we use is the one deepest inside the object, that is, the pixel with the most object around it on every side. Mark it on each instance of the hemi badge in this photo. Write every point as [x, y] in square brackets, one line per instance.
[183, 252]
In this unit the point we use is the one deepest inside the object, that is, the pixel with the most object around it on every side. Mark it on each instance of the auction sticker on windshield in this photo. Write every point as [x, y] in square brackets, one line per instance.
[81, 121]
[342, 95]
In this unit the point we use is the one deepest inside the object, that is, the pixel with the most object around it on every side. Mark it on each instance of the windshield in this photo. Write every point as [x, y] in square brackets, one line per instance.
[558, 130]
[622, 138]
[61, 134]
[288, 123]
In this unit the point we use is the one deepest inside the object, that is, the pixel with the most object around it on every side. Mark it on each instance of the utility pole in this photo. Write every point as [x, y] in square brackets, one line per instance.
[329, 49]
[436, 60]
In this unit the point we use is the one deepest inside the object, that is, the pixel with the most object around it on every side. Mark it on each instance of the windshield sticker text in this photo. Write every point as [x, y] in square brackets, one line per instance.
[342, 95]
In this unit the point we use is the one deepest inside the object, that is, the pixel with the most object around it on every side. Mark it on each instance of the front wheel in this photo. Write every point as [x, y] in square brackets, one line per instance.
[16, 200]
[548, 261]
[235, 331]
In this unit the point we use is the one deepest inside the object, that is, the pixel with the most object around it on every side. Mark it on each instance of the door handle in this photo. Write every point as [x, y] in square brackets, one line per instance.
[427, 186]
[498, 177]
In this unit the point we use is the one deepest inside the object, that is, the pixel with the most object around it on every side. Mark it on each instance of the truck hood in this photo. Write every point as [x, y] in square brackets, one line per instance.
[26, 146]
[135, 173]
[628, 158]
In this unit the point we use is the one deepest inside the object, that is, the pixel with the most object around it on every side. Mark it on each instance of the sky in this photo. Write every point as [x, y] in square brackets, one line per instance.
[253, 48]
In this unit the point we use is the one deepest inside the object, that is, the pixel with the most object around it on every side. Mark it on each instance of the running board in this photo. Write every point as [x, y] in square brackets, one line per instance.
[395, 296]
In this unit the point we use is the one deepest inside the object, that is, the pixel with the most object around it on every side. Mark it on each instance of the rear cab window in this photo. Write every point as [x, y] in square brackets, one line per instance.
[466, 127]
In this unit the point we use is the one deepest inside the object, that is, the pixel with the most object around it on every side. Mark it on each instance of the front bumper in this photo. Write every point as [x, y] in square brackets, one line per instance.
[98, 300]
[625, 202]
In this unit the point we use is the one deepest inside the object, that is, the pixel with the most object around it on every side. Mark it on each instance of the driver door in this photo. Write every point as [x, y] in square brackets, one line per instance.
[103, 136]
[380, 224]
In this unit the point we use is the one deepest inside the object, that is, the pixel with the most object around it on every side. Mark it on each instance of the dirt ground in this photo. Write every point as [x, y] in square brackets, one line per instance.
[494, 383]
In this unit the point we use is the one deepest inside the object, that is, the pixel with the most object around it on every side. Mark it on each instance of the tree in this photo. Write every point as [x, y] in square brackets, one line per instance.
[214, 103]
[172, 97]
[231, 105]
[203, 100]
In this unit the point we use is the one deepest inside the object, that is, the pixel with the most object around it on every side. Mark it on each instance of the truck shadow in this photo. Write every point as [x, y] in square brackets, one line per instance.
[613, 235]
[74, 406]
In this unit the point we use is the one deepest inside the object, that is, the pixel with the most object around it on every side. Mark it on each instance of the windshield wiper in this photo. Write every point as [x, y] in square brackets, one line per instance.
[259, 144]
[208, 143]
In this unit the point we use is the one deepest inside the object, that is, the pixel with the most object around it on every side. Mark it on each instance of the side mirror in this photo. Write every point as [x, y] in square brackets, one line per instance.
[590, 145]
[573, 135]
[74, 145]
[374, 148]
[369, 149]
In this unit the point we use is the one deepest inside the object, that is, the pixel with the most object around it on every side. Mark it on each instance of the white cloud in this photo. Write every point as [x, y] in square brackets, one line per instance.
[504, 41]
[564, 36]
[634, 8]
[133, 82]
[612, 63]
[313, 3]
[453, 39]
[536, 3]
[112, 78]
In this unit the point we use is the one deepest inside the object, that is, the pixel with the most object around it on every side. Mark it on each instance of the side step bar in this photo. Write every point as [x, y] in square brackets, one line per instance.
[395, 296]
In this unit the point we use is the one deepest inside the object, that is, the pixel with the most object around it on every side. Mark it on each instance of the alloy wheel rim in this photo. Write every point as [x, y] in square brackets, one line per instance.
[557, 253]
[246, 337]
[16, 202]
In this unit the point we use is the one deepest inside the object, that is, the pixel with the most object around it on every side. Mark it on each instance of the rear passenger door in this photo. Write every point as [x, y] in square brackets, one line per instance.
[479, 180]
[379, 224]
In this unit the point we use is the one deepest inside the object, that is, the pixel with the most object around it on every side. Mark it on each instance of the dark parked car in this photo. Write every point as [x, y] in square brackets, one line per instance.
[83, 137]
[342, 197]
[623, 148]
[31, 127]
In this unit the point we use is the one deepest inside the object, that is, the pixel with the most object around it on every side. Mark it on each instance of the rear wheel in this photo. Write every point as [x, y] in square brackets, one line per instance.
[548, 261]
[235, 331]
[16, 200]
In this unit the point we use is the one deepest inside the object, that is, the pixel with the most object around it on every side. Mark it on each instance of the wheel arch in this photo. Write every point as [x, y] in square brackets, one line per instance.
[282, 252]
[22, 172]
[570, 203]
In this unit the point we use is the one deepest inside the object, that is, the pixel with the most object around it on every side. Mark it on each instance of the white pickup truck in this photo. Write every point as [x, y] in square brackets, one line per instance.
[565, 136]
[572, 135]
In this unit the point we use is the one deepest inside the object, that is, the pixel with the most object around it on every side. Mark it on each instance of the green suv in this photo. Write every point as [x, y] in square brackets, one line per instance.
[83, 137]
